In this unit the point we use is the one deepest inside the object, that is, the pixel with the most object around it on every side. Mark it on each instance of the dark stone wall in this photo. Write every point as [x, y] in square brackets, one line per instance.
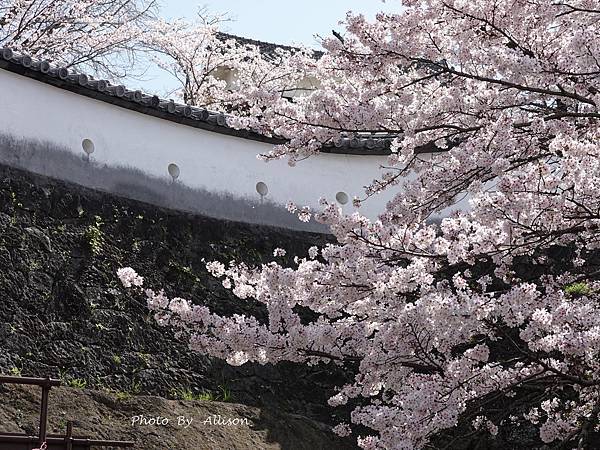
[63, 312]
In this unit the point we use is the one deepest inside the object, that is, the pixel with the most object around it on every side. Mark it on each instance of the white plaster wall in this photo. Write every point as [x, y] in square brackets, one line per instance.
[208, 160]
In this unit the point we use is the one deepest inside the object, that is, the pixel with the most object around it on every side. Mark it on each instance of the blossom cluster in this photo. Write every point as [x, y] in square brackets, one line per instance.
[102, 37]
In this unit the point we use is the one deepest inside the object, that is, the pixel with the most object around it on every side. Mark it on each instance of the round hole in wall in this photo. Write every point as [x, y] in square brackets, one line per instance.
[88, 146]
[342, 198]
[262, 189]
[174, 171]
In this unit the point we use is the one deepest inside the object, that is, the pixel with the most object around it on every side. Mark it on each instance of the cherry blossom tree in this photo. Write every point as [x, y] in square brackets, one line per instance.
[474, 326]
[101, 36]
[192, 54]
[216, 70]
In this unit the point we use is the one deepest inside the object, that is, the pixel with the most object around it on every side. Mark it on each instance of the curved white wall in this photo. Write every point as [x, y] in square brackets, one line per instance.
[218, 163]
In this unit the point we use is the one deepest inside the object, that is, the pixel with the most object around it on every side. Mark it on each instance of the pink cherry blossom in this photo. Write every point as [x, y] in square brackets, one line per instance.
[101, 37]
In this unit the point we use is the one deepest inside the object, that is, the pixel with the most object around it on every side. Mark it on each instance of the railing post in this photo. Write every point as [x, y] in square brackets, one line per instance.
[69, 436]
[44, 412]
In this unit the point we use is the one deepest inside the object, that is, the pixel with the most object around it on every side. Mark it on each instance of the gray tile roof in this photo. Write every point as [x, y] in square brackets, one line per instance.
[266, 48]
[103, 90]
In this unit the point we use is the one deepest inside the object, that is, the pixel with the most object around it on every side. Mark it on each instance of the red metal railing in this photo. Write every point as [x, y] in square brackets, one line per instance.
[17, 441]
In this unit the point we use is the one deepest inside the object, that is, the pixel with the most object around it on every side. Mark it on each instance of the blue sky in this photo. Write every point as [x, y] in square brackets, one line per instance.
[279, 21]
